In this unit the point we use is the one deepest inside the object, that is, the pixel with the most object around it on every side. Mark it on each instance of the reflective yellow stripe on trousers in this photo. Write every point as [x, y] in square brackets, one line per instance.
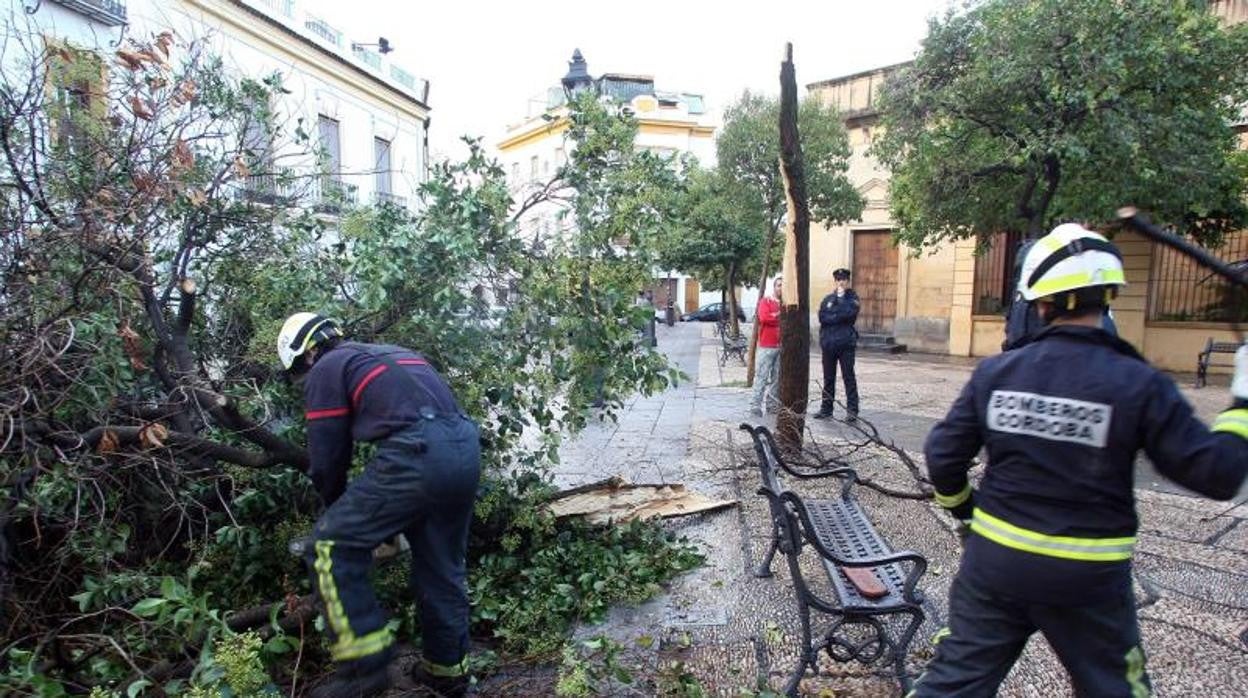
[346, 645]
[1067, 547]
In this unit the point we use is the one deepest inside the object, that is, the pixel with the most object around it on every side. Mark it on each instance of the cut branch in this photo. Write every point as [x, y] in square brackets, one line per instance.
[109, 439]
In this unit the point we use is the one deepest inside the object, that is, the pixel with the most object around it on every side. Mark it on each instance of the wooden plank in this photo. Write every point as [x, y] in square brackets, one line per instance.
[865, 581]
[614, 500]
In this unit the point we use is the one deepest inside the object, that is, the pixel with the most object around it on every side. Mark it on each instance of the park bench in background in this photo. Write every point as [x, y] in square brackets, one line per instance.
[871, 599]
[730, 343]
[1205, 359]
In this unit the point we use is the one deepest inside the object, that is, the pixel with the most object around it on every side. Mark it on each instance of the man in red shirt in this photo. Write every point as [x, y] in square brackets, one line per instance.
[767, 358]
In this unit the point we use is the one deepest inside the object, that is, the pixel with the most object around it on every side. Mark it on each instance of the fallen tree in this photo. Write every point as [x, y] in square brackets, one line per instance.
[154, 232]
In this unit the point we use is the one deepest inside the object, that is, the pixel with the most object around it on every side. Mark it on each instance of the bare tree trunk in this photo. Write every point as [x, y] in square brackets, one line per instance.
[795, 313]
[731, 283]
[762, 290]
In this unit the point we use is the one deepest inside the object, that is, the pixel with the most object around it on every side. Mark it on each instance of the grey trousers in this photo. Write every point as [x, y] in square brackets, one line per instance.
[766, 378]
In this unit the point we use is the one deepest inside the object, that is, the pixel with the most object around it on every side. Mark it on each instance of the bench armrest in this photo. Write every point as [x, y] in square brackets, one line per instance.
[787, 539]
[842, 471]
[917, 569]
[918, 562]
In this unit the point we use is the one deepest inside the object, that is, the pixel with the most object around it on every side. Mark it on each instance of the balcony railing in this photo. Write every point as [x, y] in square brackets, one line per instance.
[334, 197]
[267, 189]
[403, 77]
[367, 57]
[282, 8]
[324, 30]
[385, 197]
[111, 13]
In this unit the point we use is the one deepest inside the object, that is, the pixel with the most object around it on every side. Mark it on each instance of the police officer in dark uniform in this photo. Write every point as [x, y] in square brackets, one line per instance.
[838, 342]
[1052, 524]
[421, 482]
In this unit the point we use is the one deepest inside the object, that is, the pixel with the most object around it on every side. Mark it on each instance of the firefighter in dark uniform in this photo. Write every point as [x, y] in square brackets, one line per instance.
[421, 482]
[1052, 524]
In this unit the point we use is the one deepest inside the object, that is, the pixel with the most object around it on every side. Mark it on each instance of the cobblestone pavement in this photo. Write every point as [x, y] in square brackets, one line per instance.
[733, 632]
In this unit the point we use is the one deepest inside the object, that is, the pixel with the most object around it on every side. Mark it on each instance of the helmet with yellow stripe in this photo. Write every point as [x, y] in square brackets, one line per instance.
[1072, 267]
[301, 332]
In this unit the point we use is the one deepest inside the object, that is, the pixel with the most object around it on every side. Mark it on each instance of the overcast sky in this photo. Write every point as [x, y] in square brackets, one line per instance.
[486, 59]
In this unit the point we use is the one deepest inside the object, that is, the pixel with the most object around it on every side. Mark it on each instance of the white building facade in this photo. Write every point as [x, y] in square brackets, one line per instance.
[367, 115]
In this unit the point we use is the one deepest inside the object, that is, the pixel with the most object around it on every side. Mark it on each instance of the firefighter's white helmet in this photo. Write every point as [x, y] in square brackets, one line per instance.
[301, 332]
[1067, 259]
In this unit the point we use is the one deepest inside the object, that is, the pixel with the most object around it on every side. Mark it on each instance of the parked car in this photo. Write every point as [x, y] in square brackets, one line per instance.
[710, 313]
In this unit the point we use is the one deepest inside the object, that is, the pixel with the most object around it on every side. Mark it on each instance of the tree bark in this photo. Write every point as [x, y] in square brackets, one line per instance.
[795, 313]
[731, 283]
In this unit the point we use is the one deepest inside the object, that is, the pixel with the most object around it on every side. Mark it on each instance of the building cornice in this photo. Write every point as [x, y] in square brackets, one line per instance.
[831, 82]
[240, 16]
[539, 129]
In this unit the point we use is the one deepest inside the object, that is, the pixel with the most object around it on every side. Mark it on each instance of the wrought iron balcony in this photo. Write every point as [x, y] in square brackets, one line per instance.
[385, 197]
[111, 13]
[267, 190]
[367, 57]
[282, 8]
[333, 196]
[324, 30]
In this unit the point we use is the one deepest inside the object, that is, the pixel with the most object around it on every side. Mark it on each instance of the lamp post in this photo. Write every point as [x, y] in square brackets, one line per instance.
[577, 79]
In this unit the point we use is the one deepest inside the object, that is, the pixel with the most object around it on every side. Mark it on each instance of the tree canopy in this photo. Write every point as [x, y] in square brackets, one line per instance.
[748, 153]
[1020, 113]
[719, 231]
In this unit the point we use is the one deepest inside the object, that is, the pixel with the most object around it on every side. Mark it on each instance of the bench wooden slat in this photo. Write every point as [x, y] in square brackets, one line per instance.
[865, 581]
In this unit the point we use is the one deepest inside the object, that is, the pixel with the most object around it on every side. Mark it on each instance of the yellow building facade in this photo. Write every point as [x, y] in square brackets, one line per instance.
[949, 299]
[669, 123]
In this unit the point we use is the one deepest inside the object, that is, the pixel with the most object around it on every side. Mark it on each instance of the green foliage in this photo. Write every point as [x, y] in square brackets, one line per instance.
[530, 596]
[676, 681]
[593, 667]
[748, 152]
[721, 229]
[1020, 113]
[731, 215]
[235, 670]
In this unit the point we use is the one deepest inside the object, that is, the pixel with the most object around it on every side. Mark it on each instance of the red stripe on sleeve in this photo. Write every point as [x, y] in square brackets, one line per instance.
[368, 378]
[411, 362]
[326, 414]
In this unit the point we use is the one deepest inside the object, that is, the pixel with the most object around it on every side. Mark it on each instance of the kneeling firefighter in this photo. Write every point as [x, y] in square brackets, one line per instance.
[421, 482]
[1053, 523]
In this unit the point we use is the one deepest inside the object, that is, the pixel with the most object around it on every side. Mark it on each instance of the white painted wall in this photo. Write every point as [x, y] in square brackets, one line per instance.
[361, 116]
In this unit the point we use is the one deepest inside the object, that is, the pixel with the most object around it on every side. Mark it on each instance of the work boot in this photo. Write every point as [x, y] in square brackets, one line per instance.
[444, 686]
[350, 684]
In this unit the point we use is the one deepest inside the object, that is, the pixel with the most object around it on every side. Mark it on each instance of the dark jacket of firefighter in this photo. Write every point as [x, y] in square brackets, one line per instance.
[837, 315]
[1062, 419]
[351, 395]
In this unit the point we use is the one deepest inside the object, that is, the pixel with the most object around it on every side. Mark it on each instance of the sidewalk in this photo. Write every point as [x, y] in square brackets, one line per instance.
[726, 629]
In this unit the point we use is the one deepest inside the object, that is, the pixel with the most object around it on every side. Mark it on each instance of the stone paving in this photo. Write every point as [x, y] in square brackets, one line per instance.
[733, 632]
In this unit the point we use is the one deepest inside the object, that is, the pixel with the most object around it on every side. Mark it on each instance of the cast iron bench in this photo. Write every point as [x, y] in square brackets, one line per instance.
[730, 344]
[1205, 359]
[866, 577]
